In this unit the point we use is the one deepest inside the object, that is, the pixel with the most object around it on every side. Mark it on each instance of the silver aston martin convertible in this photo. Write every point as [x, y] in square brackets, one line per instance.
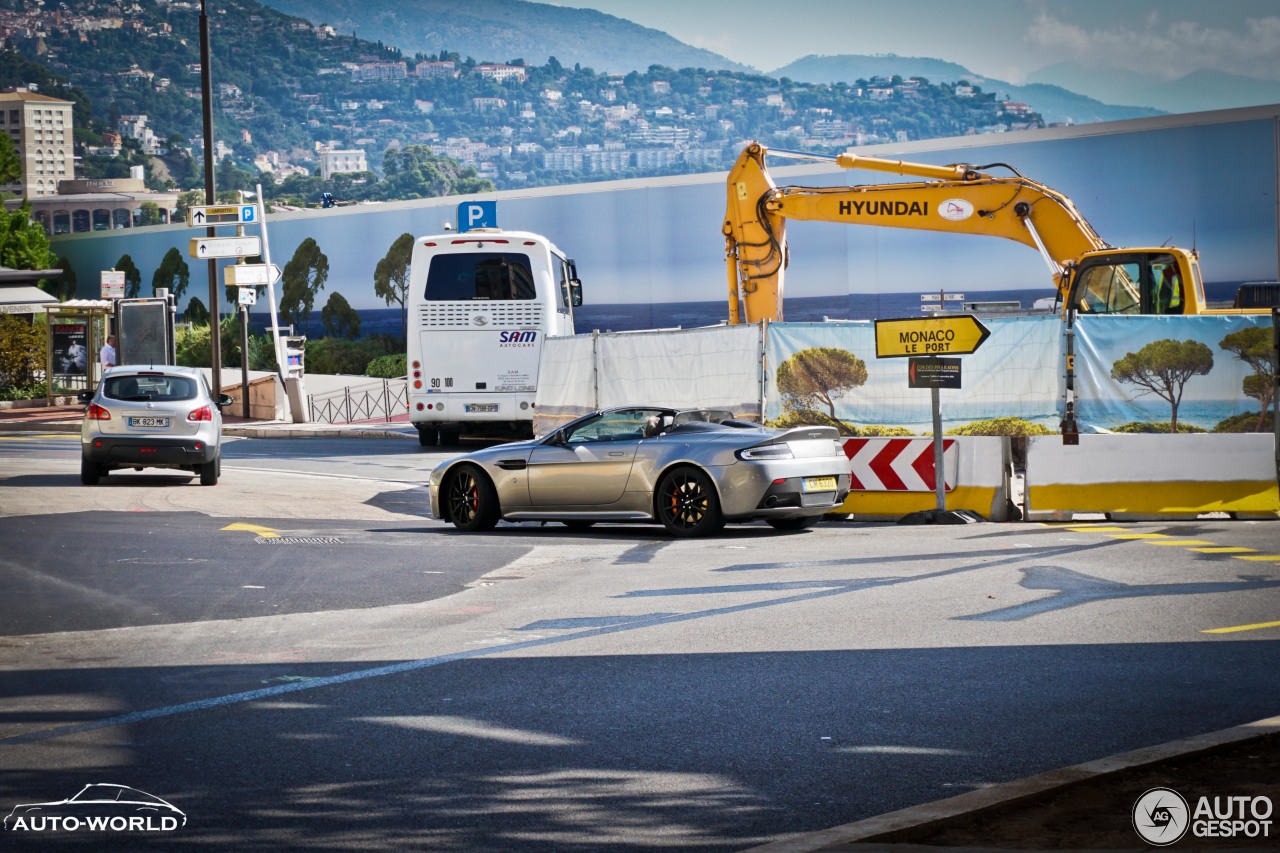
[692, 471]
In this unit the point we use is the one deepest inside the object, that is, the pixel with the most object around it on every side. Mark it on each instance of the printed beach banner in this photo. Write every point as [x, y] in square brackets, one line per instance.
[1195, 371]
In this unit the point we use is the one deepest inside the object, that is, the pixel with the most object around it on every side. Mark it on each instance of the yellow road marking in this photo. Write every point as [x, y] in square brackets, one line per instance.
[264, 532]
[1138, 536]
[1093, 529]
[1258, 557]
[1183, 542]
[1226, 549]
[1236, 628]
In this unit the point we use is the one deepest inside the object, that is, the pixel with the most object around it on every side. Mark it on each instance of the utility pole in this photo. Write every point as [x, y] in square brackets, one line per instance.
[206, 97]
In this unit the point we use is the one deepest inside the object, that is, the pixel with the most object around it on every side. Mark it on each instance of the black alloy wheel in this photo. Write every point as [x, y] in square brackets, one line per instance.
[687, 503]
[471, 500]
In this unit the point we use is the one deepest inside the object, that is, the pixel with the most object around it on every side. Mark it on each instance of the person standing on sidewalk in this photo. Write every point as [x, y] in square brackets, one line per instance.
[107, 355]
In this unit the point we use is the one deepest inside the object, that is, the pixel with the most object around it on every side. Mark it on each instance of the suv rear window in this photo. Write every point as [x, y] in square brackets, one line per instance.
[150, 386]
[480, 275]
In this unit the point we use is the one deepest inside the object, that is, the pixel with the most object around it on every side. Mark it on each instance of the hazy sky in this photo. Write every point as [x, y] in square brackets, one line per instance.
[1005, 39]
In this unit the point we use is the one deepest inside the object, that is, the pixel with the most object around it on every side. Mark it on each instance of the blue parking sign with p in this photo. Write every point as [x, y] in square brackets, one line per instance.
[477, 214]
[247, 212]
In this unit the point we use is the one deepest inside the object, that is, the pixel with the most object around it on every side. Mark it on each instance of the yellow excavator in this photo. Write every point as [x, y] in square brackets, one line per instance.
[1090, 275]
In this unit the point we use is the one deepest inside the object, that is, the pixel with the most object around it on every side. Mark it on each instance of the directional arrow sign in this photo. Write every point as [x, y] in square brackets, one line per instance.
[224, 247]
[956, 334]
[225, 214]
[251, 275]
[898, 464]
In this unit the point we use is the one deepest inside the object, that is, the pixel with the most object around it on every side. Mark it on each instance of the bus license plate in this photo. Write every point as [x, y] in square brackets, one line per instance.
[819, 484]
[150, 423]
[474, 408]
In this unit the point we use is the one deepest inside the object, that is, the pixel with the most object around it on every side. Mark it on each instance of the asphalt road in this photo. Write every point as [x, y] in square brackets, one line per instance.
[299, 658]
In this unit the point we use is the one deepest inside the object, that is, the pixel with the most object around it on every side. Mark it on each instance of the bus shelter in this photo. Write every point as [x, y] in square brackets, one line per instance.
[77, 330]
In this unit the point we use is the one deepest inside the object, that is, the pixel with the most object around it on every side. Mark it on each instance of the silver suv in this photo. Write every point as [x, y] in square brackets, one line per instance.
[152, 417]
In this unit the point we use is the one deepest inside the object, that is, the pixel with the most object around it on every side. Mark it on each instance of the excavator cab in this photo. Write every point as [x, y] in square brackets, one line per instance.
[1132, 282]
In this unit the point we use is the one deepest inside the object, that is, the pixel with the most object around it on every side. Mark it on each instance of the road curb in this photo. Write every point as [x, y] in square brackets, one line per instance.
[1008, 793]
[40, 426]
[311, 431]
[244, 431]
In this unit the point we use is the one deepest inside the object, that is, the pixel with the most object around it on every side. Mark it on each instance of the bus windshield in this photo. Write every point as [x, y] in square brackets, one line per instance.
[480, 275]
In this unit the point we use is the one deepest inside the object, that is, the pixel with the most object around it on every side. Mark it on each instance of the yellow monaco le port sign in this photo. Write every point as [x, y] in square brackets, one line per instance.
[957, 334]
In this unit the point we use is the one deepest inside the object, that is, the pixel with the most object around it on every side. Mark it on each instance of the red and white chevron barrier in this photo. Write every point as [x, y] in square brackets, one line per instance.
[899, 464]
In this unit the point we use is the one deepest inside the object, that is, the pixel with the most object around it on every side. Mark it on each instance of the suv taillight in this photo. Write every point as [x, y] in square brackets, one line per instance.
[204, 413]
[96, 413]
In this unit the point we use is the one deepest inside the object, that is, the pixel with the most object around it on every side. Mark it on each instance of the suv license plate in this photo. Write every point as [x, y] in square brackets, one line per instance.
[819, 484]
[150, 423]
[482, 407]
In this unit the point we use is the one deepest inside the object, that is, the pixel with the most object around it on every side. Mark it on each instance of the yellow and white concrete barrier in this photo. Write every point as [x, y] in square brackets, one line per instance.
[893, 477]
[1158, 476]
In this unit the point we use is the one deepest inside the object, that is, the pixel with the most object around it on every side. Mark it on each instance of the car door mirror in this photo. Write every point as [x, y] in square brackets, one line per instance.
[225, 400]
[85, 397]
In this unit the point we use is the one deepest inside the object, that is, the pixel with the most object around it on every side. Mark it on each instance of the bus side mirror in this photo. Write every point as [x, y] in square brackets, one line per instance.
[575, 293]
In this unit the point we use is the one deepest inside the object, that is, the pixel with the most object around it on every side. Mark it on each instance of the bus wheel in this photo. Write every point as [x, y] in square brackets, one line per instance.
[428, 437]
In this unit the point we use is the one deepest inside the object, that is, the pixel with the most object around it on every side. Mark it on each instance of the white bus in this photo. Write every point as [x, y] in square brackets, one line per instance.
[480, 304]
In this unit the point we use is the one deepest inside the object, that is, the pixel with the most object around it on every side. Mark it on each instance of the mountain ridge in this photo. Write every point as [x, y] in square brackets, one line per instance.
[503, 30]
[1056, 103]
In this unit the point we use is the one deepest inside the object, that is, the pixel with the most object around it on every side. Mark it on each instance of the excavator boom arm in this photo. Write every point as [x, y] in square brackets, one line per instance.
[955, 199]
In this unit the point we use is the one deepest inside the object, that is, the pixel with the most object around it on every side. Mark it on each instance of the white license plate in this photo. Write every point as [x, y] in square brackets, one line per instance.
[819, 484]
[149, 423]
[481, 407]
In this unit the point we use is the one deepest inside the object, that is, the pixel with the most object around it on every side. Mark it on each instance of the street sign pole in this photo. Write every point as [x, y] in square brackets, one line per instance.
[271, 291]
[206, 113]
[923, 340]
[939, 478]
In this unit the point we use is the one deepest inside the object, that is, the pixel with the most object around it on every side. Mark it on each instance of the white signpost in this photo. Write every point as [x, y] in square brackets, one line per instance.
[251, 275]
[113, 284]
[205, 248]
[222, 214]
[941, 298]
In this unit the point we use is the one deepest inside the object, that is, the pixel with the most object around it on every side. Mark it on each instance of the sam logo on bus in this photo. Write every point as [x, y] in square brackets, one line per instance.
[517, 339]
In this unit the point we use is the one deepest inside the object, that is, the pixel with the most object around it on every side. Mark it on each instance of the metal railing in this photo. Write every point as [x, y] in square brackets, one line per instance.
[375, 401]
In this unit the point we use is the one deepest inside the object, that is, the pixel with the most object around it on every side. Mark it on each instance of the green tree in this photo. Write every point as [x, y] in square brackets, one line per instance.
[132, 277]
[415, 172]
[1253, 346]
[816, 376]
[391, 278]
[339, 318]
[196, 314]
[10, 162]
[304, 277]
[149, 213]
[23, 243]
[22, 352]
[1164, 368]
[64, 286]
[173, 273]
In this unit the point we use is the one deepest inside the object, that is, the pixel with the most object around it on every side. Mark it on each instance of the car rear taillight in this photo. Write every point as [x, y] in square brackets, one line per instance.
[96, 413]
[204, 413]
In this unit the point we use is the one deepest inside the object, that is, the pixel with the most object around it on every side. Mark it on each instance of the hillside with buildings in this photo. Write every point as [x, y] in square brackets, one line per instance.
[314, 110]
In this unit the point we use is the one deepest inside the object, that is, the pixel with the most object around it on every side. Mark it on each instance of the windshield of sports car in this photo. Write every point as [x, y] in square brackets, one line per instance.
[619, 425]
